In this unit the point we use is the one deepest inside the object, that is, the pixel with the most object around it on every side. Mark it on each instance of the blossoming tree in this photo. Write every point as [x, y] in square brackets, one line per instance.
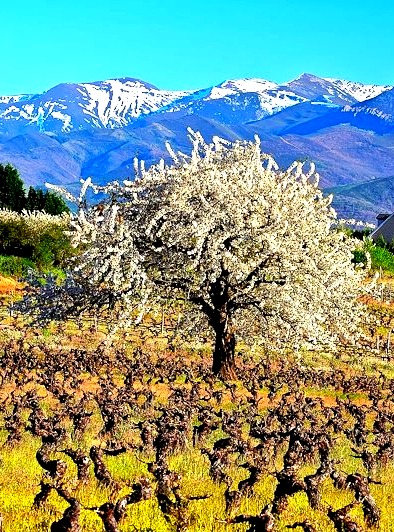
[248, 245]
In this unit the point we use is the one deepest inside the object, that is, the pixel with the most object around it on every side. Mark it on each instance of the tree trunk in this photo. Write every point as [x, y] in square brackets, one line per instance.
[224, 352]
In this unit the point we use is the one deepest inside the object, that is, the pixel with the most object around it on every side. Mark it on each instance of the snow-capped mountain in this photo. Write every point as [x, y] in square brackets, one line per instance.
[235, 101]
[234, 86]
[317, 89]
[117, 103]
[382, 104]
[359, 91]
[69, 106]
[95, 129]
[375, 115]
[333, 91]
[14, 99]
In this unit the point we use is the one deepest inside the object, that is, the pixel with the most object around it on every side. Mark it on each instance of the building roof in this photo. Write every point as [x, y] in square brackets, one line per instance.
[385, 229]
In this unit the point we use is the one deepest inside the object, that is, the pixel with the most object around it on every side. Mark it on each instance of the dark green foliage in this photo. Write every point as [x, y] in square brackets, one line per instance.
[360, 234]
[381, 253]
[13, 195]
[12, 192]
[54, 204]
[51, 249]
[14, 238]
[381, 243]
[49, 202]
[359, 257]
[34, 200]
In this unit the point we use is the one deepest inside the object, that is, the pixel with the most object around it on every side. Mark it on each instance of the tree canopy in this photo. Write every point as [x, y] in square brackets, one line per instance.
[250, 247]
[13, 195]
[12, 192]
[49, 202]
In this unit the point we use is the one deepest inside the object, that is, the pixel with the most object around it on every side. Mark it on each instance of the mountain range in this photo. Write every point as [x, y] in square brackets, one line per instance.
[96, 129]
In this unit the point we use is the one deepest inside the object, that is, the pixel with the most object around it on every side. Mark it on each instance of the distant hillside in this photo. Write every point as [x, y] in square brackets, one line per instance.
[371, 197]
[96, 129]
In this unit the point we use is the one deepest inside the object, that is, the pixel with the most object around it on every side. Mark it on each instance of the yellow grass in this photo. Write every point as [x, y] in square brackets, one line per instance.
[9, 286]
[20, 473]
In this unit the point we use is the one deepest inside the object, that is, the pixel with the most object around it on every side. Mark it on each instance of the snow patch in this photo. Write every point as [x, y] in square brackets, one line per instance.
[66, 119]
[359, 91]
[13, 99]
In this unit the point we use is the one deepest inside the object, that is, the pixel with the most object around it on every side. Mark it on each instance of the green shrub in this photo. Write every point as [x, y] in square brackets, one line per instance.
[51, 248]
[381, 255]
[38, 237]
[382, 258]
[359, 256]
[15, 266]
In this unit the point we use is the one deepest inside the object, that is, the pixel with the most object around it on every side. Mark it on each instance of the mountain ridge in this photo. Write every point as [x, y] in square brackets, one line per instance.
[96, 128]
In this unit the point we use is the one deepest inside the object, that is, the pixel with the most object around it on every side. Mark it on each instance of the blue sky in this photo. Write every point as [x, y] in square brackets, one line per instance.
[190, 45]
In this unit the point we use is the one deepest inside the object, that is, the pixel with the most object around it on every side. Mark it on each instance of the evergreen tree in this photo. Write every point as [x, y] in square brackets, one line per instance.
[54, 204]
[32, 200]
[12, 191]
[40, 206]
[13, 196]
[49, 202]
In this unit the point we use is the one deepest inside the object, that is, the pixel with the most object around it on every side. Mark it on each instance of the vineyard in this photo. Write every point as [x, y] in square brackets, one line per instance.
[142, 436]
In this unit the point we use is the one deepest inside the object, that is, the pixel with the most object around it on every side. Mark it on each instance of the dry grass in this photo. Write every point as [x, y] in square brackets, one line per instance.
[9, 286]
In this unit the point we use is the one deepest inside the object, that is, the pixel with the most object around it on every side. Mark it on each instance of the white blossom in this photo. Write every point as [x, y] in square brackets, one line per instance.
[254, 247]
